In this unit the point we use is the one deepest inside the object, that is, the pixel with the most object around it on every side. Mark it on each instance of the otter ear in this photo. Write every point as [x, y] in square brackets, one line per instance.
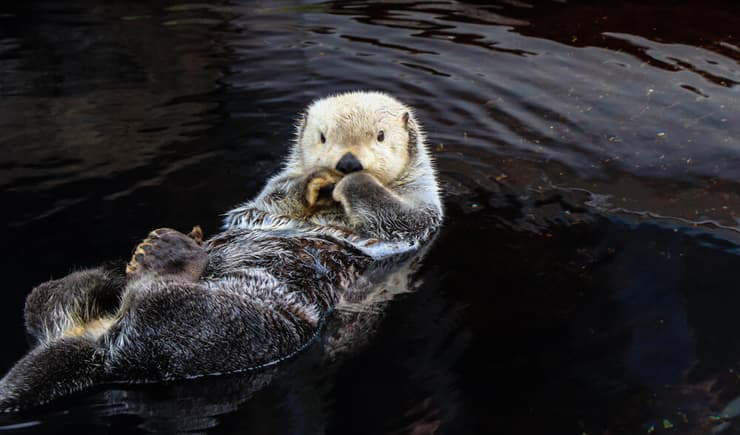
[408, 121]
[410, 125]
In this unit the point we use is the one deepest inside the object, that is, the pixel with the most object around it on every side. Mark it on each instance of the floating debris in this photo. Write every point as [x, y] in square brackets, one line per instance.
[684, 416]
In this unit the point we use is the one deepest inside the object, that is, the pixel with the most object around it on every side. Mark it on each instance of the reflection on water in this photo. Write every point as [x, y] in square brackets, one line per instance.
[584, 283]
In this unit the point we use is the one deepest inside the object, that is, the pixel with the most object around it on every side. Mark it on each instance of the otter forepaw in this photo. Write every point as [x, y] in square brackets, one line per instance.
[357, 184]
[320, 186]
[167, 252]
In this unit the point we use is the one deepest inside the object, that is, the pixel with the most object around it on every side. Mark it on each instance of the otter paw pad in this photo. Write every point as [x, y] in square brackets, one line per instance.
[167, 252]
[320, 187]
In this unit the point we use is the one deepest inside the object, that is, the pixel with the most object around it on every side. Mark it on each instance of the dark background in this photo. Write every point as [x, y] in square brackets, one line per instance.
[586, 277]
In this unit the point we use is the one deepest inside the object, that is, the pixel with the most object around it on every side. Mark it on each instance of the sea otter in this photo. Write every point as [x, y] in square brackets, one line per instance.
[358, 190]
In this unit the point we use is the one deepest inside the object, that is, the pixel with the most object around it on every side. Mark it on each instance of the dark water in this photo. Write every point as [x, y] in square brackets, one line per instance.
[586, 281]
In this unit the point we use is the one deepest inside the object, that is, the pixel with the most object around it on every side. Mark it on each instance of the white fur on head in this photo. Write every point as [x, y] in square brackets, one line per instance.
[352, 123]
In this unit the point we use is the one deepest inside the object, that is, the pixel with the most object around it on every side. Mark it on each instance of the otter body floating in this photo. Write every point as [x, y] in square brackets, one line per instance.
[357, 188]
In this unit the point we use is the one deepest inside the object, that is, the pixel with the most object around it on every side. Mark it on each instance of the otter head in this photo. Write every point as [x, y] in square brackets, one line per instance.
[358, 131]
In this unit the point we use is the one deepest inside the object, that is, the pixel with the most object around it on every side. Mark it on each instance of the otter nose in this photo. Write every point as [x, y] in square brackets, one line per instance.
[349, 163]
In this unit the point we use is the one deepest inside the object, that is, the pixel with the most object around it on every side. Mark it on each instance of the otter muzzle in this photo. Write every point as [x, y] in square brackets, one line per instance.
[348, 163]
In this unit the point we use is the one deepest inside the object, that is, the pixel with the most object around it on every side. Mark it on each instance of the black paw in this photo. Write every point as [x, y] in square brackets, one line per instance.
[359, 185]
[167, 252]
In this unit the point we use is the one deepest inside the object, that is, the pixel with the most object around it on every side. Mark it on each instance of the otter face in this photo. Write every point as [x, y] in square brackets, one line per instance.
[358, 131]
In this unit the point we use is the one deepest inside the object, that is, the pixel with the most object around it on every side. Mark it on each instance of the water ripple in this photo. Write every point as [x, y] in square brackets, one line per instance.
[561, 131]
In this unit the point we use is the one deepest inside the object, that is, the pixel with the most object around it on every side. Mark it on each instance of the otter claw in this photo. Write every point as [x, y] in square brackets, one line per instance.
[196, 234]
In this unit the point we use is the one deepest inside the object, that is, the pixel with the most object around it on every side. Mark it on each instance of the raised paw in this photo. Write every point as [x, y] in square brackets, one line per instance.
[358, 185]
[168, 252]
[320, 186]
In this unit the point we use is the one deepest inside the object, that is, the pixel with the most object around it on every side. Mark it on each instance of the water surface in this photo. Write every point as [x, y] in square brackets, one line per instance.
[586, 277]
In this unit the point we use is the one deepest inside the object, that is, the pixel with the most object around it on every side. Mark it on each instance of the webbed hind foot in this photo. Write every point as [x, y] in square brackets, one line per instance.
[170, 253]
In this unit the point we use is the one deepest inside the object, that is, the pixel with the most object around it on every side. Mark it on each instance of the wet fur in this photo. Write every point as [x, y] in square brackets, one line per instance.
[273, 275]
[395, 197]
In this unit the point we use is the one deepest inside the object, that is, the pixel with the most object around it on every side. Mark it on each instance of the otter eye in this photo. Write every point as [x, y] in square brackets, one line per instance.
[323, 138]
[381, 136]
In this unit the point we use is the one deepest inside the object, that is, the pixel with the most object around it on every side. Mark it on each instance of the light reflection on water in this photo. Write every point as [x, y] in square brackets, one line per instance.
[599, 146]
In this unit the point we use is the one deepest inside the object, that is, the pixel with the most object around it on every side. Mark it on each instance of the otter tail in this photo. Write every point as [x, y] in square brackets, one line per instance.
[53, 369]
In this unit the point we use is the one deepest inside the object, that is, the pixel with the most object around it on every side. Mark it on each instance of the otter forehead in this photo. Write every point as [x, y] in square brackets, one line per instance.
[358, 113]
[358, 102]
